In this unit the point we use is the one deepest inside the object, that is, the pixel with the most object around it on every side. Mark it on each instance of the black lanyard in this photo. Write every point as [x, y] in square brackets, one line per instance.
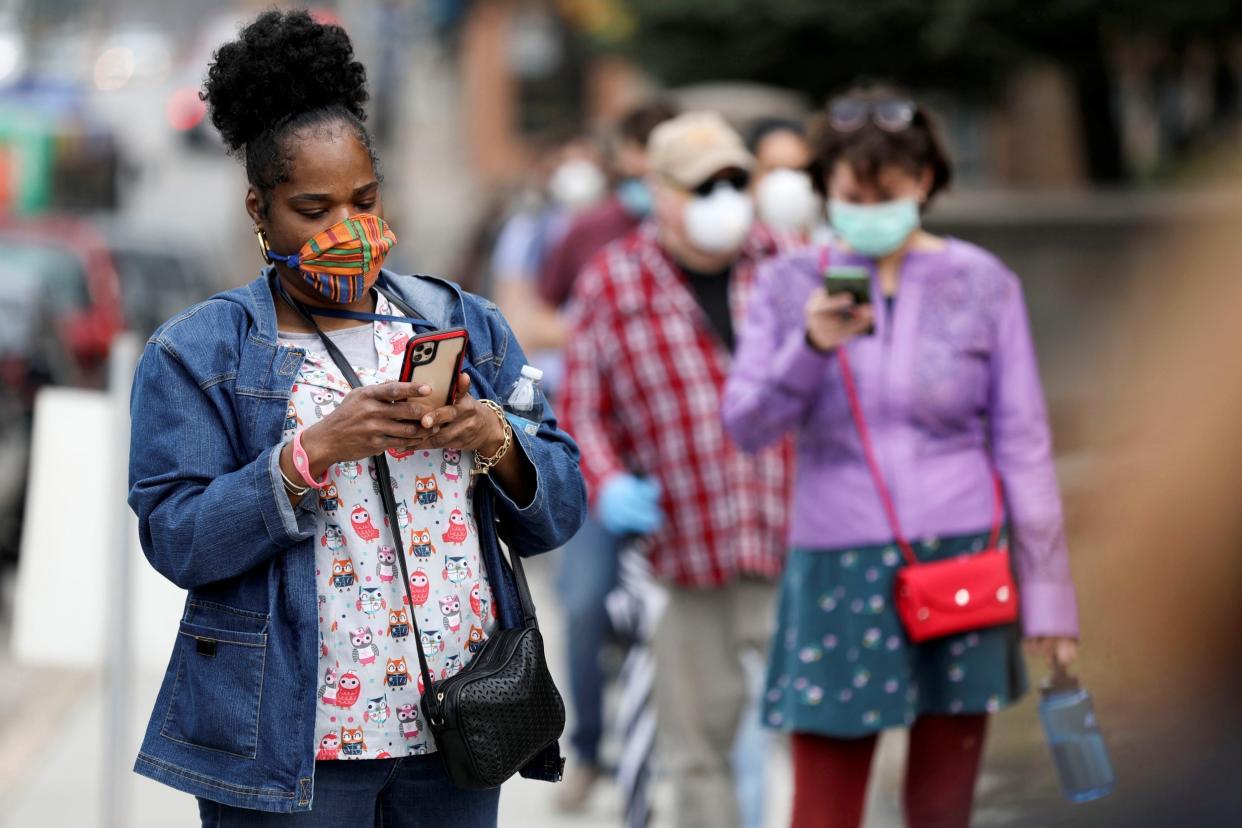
[381, 462]
[384, 478]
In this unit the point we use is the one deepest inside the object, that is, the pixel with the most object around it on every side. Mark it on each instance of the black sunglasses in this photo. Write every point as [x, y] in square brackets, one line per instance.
[737, 179]
[892, 115]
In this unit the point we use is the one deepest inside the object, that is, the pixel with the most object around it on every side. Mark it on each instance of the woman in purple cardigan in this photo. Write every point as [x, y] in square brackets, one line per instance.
[950, 391]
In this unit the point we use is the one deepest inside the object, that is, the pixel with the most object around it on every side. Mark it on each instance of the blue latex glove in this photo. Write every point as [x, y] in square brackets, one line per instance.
[630, 505]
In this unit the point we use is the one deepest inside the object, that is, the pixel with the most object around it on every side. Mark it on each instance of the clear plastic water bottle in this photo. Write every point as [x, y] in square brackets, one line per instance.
[525, 401]
[1075, 740]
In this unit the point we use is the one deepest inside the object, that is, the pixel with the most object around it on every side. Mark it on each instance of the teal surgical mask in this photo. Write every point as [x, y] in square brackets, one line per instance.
[874, 230]
[634, 196]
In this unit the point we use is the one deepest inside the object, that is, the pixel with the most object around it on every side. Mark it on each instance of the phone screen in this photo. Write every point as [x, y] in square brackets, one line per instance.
[851, 279]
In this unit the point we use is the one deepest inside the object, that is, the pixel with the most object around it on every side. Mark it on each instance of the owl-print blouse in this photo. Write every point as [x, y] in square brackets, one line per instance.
[370, 686]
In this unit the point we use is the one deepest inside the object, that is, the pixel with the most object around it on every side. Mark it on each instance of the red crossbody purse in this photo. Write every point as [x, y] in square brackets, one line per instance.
[960, 594]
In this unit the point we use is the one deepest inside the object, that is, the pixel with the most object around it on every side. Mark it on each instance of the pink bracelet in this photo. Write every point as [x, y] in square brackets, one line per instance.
[302, 463]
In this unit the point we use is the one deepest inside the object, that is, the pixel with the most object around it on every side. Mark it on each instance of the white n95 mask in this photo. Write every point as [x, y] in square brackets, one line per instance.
[719, 222]
[577, 184]
[786, 200]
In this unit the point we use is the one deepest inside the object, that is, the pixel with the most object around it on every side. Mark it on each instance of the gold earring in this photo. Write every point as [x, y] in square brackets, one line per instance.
[263, 245]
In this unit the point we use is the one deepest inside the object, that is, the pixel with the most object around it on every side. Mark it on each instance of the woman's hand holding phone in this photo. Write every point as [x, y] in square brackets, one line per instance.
[370, 420]
[397, 416]
[832, 321]
[467, 425]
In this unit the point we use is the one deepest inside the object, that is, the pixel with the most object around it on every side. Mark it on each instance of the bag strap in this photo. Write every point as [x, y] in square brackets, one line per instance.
[384, 478]
[382, 475]
[525, 602]
[873, 463]
[864, 436]
[521, 585]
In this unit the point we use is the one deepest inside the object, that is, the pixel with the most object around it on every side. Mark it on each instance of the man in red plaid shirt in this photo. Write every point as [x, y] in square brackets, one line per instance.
[652, 329]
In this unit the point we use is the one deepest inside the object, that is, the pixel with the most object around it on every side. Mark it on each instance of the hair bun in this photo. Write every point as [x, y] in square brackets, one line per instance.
[281, 65]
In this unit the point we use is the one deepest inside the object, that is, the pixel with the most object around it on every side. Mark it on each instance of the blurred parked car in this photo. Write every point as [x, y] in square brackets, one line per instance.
[72, 285]
[30, 356]
[66, 263]
[60, 310]
[160, 275]
[84, 281]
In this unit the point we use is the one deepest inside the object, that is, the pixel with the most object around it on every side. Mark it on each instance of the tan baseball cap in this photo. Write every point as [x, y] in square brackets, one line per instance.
[694, 146]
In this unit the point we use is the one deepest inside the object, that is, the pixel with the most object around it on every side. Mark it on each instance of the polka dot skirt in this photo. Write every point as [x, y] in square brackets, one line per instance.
[841, 664]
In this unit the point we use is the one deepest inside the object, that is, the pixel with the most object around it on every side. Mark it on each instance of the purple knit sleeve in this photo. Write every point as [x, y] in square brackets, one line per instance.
[775, 374]
[1022, 448]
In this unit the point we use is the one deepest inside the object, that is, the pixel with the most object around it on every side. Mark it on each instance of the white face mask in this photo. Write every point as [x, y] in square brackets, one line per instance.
[786, 200]
[720, 222]
[577, 184]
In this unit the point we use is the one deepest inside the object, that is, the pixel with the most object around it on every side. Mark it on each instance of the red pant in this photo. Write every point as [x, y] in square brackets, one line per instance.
[830, 775]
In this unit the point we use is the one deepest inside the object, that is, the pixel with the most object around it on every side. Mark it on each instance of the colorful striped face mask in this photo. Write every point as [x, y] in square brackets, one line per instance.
[339, 263]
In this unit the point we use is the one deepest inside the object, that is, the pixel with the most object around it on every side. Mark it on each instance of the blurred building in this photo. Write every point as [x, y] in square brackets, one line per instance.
[1125, 105]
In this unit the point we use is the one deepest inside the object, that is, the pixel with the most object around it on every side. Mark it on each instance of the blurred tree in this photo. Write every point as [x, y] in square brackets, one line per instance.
[968, 47]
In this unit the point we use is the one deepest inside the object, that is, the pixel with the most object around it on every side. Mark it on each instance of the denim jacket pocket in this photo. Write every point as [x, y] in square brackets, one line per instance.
[218, 686]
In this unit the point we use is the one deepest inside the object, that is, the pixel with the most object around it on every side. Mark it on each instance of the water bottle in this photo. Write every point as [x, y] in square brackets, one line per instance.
[525, 402]
[1074, 738]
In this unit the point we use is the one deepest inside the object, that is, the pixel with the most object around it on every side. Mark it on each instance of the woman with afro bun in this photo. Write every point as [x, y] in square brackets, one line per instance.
[288, 700]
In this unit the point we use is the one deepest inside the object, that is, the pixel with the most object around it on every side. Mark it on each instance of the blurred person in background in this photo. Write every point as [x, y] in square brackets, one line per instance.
[589, 563]
[628, 205]
[786, 204]
[567, 182]
[951, 395]
[251, 475]
[651, 340]
[784, 195]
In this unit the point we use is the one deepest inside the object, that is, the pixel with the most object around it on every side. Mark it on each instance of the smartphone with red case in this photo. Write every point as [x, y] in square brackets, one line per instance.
[435, 359]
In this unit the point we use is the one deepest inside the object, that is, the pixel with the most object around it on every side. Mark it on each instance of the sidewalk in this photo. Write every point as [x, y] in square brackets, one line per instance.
[52, 752]
[52, 728]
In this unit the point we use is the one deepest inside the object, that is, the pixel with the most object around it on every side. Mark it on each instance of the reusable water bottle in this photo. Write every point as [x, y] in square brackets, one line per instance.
[1074, 738]
[525, 403]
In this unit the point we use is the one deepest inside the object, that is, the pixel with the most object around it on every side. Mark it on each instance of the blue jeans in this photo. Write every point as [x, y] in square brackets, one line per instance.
[588, 573]
[411, 792]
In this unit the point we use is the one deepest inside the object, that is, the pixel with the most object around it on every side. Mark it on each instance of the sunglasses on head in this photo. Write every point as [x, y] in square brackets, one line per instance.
[892, 115]
[737, 179]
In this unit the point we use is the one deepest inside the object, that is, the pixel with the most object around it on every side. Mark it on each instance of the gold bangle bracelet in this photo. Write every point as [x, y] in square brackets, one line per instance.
[484, 465]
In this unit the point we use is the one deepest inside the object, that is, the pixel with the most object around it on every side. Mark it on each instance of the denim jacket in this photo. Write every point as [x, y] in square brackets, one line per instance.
[233, 721]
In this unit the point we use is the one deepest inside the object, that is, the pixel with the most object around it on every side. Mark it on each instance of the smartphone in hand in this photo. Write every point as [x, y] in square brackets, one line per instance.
[851, 279]
[435, 359]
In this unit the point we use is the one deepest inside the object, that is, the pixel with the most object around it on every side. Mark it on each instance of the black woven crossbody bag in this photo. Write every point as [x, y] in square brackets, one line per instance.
[501, 712]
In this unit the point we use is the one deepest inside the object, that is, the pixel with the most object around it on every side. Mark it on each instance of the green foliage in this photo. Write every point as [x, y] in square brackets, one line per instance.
[969, 46]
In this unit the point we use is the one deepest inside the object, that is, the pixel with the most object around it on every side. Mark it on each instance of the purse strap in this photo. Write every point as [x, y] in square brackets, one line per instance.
[384, 478]
[873, 463]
